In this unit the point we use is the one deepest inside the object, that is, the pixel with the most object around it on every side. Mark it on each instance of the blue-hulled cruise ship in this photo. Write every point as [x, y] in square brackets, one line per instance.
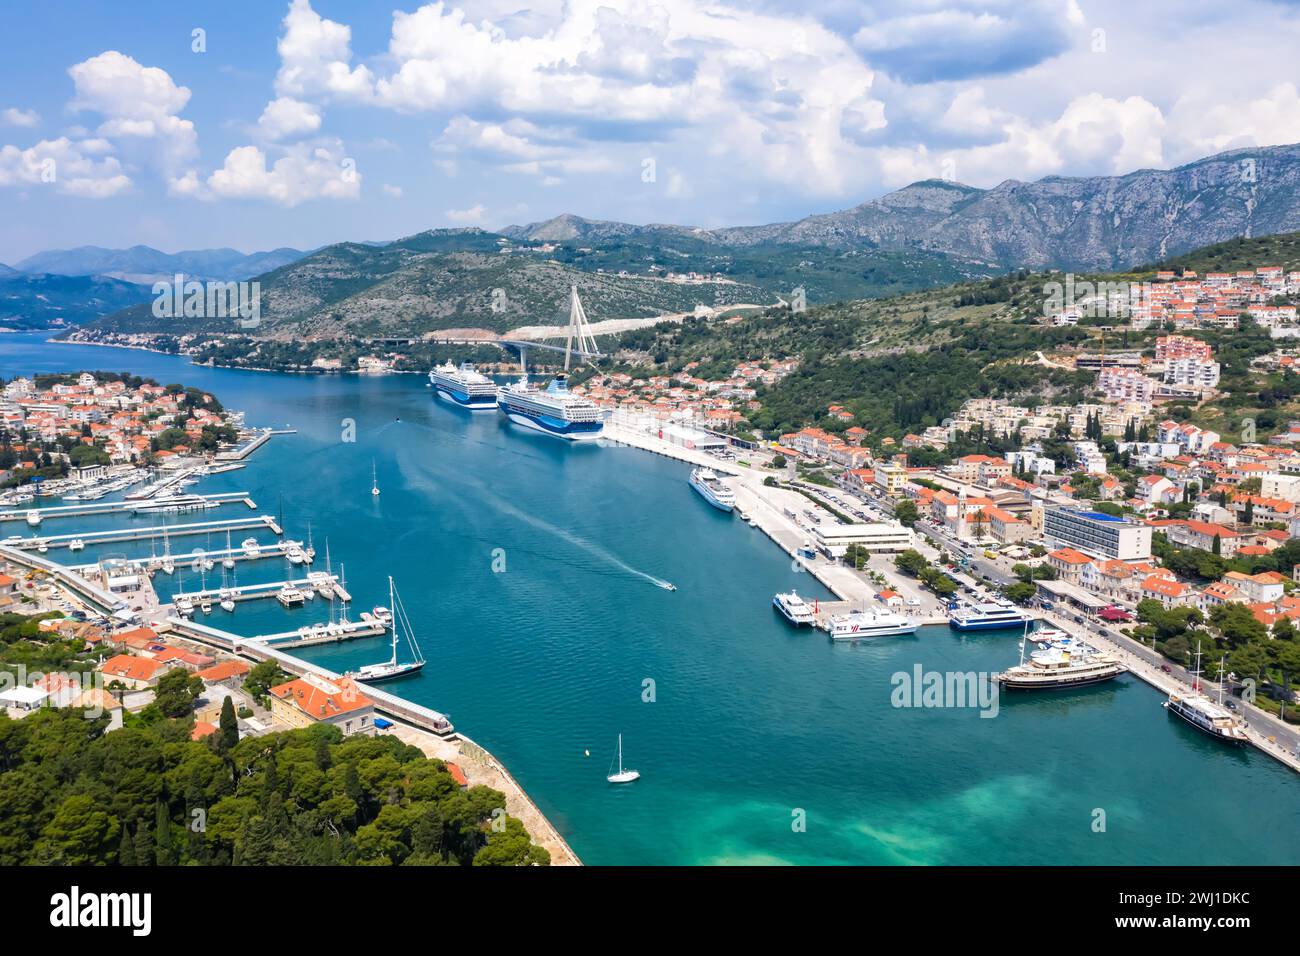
[986, 617]
[554, 411]
[464, 387]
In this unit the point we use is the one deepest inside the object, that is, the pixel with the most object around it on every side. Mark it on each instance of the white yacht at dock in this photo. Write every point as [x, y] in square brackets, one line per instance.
[712, 488]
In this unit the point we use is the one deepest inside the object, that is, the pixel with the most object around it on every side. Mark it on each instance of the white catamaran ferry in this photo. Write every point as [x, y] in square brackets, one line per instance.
[794, 609]
[712, 489]
[464, 387]
[987, 616]
[860, 624]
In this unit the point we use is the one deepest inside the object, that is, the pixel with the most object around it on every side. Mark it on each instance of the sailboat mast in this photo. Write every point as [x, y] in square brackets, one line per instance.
[393, 606]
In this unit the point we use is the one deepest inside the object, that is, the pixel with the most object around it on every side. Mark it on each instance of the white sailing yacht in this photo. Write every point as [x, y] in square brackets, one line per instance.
[387, 670]
[229, 561]
[623, 775]
[374, 479]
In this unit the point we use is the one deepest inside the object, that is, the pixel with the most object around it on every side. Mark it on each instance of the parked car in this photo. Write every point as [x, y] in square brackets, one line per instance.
[1165, 668]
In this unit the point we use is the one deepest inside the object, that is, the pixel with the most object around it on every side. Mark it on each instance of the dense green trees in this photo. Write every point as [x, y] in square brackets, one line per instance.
[76, 795]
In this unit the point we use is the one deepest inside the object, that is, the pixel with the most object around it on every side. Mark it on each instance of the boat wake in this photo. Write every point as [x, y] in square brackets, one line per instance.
[485, 493]
[578, 542]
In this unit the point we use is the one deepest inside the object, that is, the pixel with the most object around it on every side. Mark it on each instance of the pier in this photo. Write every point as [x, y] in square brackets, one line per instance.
[277, 550]
[248, 446]
[252, 592]
[157, 531]
[118, 507]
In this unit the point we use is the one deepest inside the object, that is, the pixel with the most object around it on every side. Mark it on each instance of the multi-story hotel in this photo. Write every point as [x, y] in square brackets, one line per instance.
[1093, 532]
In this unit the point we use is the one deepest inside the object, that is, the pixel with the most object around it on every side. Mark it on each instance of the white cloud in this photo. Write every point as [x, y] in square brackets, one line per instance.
[302, 173]
[286, 118]
[139, 103]
[70, 167]
[16, 117]
[391, 190]
[315, 57]
[473, 214]
[1203, 125]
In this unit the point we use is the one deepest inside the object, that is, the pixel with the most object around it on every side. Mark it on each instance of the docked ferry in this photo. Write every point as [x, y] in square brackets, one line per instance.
[1060, 663]
[986, 617]
[794, 609]
[712, 489]
[554, 411]
[859, 625]
[464, 387]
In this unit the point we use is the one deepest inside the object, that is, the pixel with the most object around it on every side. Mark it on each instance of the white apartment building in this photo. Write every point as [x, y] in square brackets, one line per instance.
[1126, 385]
[1192, 371]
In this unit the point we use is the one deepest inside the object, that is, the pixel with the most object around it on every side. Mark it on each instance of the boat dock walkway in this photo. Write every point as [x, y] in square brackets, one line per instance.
[276, 550]
[252, 592]
[115, 507]
[322, 634]
[250, 445]
[156, 531]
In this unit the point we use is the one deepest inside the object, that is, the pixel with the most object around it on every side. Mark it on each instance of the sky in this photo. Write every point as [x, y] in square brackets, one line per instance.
[263, 123]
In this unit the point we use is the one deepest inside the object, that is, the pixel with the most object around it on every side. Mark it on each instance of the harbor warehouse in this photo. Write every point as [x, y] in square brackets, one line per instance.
[1095, 533]
[834, 539]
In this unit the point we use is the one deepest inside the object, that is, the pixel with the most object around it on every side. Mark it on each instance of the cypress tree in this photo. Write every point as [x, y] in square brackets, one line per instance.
[229, 726]
[126, 849]
[163, 852]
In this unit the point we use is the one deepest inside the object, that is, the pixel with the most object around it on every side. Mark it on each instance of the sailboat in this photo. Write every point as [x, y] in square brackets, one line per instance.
[374, 479]
[623, 775]
[372, 673]
[229, 562]
[168, 566]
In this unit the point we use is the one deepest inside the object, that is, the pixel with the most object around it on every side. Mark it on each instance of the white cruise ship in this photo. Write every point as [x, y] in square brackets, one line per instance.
[1060, 662]
[712, 489]
[861, 624]
[794, 609]
[554, 411]
[464, 387]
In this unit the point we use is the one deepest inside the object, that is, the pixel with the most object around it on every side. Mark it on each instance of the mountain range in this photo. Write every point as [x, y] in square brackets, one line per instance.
[146, 265]
[932, 233]
[1098, 223]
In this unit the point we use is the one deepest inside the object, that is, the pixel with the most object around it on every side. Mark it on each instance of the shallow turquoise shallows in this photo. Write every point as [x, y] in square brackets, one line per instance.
[754, 725]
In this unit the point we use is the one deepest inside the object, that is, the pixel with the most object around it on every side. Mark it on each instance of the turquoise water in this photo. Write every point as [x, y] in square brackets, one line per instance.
[752, 721]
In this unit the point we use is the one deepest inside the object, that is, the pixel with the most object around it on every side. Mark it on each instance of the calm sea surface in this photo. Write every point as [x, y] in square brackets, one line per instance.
[753, 724]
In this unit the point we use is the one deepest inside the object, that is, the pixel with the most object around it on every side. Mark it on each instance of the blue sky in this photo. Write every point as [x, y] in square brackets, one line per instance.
[310, 121]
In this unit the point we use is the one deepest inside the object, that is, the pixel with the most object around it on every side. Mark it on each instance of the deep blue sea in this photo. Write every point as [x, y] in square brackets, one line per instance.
[753, 725]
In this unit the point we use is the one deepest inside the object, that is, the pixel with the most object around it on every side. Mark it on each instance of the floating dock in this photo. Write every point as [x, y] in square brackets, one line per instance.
[118, 507]
[322, 634]
[156, 531]
[251, 592]
[277, 550]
